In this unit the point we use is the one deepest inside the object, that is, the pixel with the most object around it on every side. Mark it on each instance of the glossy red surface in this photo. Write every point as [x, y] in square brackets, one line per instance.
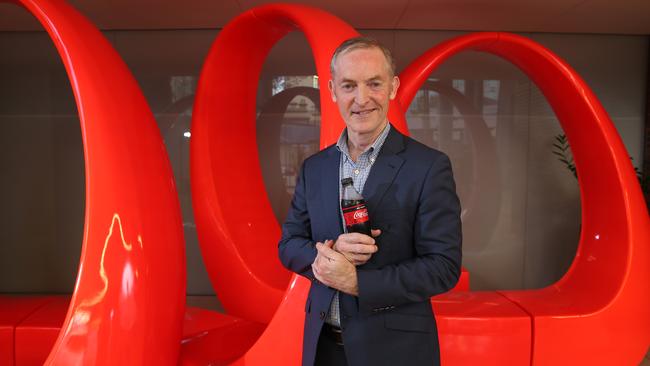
[13, 311]
[208, 337]
[475, 326]
[235, 223]
[463, 281]
[130, 290]
[597, 314]
[481, 328]
[212, 338]
[36, 334]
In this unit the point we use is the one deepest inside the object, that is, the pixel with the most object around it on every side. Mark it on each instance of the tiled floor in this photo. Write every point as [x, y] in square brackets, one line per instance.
[212, 303]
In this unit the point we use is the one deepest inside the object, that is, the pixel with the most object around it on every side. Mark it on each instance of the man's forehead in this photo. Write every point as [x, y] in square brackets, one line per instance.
[359, 52]
[356, 61]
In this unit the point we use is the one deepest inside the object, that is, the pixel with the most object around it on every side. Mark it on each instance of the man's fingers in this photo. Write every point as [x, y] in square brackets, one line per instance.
[325, 249]
[357, 248]
[363, 238]
[359, 259]
[317, 262]
[356, 238]
[320, 266]
[320, 273]
[314, 268]
[355, 252]
[364, 249]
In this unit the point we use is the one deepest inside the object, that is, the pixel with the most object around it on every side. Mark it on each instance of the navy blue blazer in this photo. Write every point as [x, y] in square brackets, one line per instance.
[411, 196]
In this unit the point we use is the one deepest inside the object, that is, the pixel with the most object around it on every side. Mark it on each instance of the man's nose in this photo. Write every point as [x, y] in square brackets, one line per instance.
[362, 96]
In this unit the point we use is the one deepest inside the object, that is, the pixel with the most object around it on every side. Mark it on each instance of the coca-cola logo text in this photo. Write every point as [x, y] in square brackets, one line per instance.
[361, 214]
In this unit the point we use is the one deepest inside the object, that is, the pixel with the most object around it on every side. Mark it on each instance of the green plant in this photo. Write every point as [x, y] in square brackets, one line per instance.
[644, 181]
[562, 150]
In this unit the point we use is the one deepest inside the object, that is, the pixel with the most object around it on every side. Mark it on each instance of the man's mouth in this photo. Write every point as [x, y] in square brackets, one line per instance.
[364, 112]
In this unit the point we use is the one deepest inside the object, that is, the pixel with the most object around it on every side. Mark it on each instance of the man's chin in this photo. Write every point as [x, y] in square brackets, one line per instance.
[369, 118]
[363, 126]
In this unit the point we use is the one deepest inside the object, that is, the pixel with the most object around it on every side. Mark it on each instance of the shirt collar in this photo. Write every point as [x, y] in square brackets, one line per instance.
[372, 151]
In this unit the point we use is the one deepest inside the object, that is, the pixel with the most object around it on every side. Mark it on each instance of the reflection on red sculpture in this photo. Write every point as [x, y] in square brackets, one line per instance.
[130, 289]
[222, 124]
[602, 291]
[129, 294]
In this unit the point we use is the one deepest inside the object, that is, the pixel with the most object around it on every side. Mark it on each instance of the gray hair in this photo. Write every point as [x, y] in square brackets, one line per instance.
[363, 43]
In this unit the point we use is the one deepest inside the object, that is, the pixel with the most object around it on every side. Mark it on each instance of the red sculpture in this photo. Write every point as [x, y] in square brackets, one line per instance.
[130, 291]
[223, 123]
[127, 307]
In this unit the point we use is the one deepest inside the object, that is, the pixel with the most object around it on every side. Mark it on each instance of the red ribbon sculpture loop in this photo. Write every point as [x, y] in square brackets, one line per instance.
[127, 305]
[238, 233]
[602, 290]
[235, 222]
[130, 290]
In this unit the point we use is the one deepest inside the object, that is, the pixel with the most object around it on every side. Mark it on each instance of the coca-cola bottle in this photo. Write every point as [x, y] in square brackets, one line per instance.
[354, 209]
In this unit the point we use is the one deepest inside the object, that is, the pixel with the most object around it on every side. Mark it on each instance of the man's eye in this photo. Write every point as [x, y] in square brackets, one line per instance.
[347, 86]
[375, 85]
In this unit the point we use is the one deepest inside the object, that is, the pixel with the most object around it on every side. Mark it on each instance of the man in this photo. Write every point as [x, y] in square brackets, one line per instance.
[369, 299]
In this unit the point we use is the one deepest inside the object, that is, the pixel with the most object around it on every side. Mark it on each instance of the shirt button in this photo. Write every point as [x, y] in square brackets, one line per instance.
[356, 171]
[372, 160]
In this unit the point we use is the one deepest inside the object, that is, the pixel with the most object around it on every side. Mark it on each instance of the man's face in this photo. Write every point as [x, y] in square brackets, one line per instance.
[362, 87]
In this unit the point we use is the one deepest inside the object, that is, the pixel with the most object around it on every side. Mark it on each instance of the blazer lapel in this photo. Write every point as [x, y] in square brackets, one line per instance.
[384, 170]
[330, 199]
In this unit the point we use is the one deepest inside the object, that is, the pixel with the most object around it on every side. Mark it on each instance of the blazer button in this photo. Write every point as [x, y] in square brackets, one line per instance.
[322, 315]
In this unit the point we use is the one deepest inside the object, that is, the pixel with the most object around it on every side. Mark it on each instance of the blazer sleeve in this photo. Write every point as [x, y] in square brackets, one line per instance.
[296, 248]
[437, 236]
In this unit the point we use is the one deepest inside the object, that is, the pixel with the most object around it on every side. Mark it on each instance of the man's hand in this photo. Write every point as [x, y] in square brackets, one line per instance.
[334, 270]
[357, 248]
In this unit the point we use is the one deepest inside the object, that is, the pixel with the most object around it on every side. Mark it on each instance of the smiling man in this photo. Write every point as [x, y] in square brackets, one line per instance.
[369, 299]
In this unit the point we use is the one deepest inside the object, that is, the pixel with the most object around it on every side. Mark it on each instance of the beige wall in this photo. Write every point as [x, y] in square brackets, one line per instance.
[524, 239]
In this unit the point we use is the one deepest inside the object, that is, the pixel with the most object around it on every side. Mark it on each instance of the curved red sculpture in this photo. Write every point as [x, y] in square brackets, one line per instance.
[235, 223]
[601, 299]
[127, 308]
[238, 234]
[130, 291]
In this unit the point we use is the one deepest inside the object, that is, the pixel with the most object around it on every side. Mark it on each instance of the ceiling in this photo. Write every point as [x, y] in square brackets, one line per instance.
[557, 16]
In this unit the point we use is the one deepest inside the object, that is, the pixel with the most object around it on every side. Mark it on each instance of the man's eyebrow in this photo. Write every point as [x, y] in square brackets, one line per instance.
[374, 78]
[344, 80]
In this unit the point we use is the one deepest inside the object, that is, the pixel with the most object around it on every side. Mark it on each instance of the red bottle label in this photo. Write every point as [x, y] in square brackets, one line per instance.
[355, 215]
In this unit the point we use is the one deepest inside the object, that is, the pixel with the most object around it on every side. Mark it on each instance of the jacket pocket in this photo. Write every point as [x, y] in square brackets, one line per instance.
[408, 322]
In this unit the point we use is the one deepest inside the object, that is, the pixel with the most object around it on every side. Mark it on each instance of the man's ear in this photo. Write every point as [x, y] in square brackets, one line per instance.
[395, 86]
[330, 86]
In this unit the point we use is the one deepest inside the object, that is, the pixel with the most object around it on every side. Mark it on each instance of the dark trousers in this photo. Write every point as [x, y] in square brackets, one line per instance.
[328, 353]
